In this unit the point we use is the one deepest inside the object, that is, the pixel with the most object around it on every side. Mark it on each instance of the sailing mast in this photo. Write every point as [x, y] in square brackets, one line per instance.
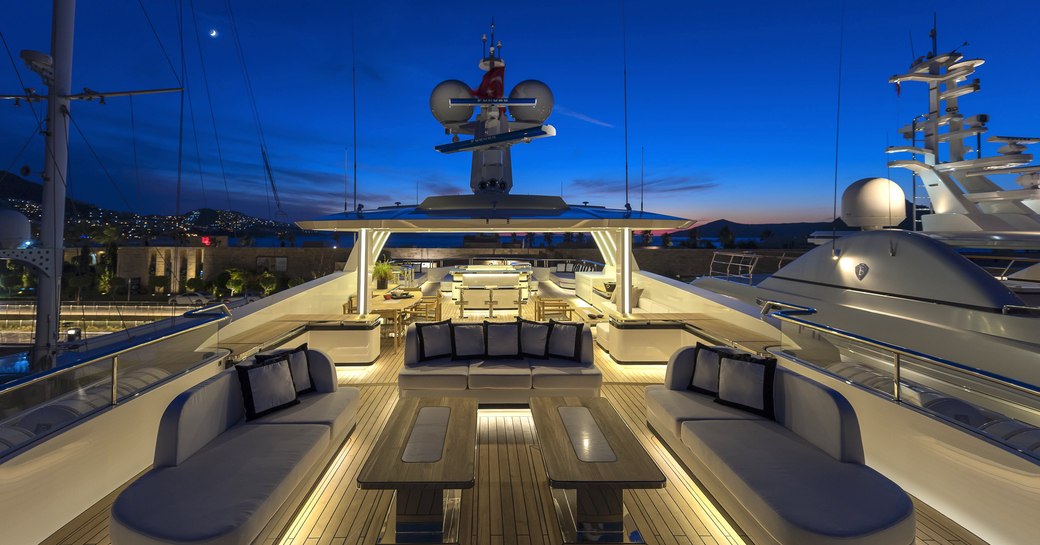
[55, 173]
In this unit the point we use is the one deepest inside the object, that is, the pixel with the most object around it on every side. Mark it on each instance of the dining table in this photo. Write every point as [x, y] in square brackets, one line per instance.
[394, 311]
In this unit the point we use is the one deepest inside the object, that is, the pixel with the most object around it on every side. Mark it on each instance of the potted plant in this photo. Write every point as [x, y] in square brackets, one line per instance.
[381, 272]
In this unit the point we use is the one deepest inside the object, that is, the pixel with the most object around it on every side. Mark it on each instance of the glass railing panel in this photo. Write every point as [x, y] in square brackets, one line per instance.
[998, 408]
[853, 362]
[36, 406]
[53, 402]
[1006, 414]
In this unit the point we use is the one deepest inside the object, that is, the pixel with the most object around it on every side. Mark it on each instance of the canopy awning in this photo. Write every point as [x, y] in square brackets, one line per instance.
[493, 212]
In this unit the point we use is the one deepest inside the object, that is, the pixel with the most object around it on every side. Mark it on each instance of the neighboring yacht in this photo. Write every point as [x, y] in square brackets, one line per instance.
[905, 317]
[915, 289]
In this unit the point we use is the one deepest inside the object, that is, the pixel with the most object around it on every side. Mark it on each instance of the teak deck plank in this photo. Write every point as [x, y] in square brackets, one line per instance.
[510, 502]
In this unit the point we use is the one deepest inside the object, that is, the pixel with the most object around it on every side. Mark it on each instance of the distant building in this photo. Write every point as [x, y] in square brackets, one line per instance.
[140, 264]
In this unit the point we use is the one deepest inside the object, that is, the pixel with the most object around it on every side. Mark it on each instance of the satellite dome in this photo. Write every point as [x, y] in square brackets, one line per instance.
[439, 102]
[532, 88]
[14, 229]
[873, 203]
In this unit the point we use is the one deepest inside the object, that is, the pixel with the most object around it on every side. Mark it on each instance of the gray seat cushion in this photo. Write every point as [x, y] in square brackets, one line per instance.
[225, 493]
[440, 374]
[500, 375]
[796, 491]
[558, 374]
[670, 408]
[334, 409]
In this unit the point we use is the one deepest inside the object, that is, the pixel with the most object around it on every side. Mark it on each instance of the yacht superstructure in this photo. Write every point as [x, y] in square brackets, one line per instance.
[961, 193]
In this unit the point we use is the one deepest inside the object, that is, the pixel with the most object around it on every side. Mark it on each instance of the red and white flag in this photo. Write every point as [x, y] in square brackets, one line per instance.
[493, 84]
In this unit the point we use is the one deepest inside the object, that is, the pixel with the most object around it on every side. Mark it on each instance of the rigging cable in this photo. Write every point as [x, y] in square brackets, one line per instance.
[642, 174]
[21, 83]
[101, 163]
[209, 100]
[133, 147]
[159, 41]
[180, 130]
[353, 94]
[40, 122]
[18, 155]
[256, 113]
[198, 152]
[624, 90]
[837, 135]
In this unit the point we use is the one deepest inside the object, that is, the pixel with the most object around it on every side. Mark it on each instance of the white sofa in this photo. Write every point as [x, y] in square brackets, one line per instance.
[507, 381]
[797, 480]
[218, 479]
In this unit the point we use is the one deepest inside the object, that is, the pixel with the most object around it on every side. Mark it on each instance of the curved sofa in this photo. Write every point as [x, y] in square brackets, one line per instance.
[797, 480]
[218, 479]
[498, 380]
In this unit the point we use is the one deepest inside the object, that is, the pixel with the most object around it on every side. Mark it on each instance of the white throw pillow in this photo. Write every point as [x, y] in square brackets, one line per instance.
[635, 294]
[266, 386]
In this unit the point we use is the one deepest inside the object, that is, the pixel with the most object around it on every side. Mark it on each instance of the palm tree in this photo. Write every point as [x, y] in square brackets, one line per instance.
[726, 237]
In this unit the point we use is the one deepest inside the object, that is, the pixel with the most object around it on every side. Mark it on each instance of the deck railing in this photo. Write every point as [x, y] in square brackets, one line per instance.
[99, 377]
[999, 408]
[1000, 266]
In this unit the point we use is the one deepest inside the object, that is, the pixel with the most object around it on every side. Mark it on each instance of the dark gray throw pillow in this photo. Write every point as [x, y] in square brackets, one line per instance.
[502, 339]
[267, 386]
[534, 338]
[467, 341]
[705, 377]
[434, 339]
[564, 340]
[299, 363]
[746, 383]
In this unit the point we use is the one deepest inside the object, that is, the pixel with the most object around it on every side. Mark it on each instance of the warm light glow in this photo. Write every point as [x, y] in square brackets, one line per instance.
[491, 413]
[626, 271]
[362, 271]
[847, 265]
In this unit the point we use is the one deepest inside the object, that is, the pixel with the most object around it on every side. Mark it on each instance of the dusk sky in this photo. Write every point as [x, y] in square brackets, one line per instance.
[733, 101]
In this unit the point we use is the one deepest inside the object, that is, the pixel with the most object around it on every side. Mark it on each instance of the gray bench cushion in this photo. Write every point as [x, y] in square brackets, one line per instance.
[562, 374]
[500, 375]
[798, 492]
[335, 410]
[670, 408]
[225, 493]
[440, 374]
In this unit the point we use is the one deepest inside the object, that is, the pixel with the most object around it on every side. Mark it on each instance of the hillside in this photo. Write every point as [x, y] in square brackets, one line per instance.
[13, 186]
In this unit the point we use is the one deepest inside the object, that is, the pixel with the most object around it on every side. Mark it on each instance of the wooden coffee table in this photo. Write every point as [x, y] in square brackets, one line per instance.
[427, 449]
[588, 448]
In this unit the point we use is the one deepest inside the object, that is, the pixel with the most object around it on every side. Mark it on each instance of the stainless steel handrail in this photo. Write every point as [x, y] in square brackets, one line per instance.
[224, 314]
[790, 309]
[793, 310]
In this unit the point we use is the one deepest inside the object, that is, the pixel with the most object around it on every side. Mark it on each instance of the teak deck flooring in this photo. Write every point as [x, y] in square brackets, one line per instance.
[510, 503]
